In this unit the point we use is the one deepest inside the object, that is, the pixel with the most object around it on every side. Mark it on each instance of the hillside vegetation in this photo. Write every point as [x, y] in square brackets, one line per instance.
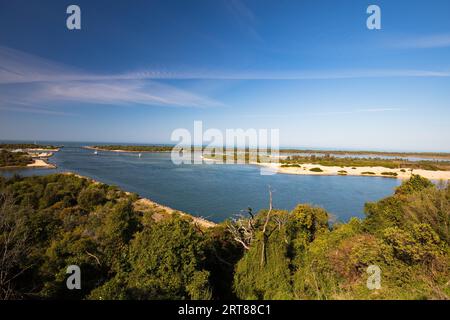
[50, 222]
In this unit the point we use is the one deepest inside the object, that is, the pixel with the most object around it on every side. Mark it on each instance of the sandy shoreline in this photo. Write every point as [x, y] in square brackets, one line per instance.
[304, 169]
[39, 163]
[145, 204]
[149, 204]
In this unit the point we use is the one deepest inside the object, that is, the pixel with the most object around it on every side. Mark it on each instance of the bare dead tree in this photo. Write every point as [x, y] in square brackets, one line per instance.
[265, 235]
[242, 229]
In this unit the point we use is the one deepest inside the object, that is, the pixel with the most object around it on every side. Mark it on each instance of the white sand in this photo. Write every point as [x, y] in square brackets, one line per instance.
[39, 163]
[358, 171]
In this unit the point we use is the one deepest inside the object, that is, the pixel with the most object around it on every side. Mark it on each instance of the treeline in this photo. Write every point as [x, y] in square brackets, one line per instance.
[329, 160]
[134, 148]
[441, 155]
[13, 146]
[127, 252]
[14, 159]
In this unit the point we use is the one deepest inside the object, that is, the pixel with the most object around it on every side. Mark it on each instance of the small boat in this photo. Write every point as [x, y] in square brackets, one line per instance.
[140, 155]
[95, 152]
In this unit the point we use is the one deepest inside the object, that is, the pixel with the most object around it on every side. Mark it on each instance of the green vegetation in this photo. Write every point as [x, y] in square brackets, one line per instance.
[124, 252]
[14, 159]
[300, 256]
[328, 160]
[436, 155]
[130, 251]
[368, 172]
[342, 172]
[392, 174]
[135, 148]
[316, 170]
[13, 146]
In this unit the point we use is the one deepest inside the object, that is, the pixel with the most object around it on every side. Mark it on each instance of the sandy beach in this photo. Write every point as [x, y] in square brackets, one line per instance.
[304, 169]
[39, 163]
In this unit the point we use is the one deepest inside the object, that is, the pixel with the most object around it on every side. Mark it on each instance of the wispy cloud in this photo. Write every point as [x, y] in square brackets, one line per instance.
[356, 111]
[324, 113]
[40, 81]
[22, 106]
[423, 42]
[245, 17]
[289, 75]
[46, 81]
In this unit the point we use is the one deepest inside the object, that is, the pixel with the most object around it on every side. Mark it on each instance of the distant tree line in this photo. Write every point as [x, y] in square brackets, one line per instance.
[13, 146]
[329, 160]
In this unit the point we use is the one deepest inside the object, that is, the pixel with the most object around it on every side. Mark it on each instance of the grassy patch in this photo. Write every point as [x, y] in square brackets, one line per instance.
[392, 174]
[316, 170]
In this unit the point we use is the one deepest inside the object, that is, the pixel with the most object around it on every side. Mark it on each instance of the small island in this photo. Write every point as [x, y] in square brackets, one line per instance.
[26, 155]
[130, 148]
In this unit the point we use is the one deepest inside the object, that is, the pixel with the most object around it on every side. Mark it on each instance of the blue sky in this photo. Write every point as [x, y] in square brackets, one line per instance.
[138, 70]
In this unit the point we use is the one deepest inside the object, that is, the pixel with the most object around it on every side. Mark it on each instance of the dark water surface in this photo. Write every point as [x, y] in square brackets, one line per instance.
[217, 191]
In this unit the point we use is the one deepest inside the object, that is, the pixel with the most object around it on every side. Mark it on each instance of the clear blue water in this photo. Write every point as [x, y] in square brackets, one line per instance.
[217, 191]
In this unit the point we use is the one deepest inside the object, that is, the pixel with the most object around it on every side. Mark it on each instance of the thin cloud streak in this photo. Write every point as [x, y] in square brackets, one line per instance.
[356, 111]
[325, 113]
[424, 42]
[19, 67]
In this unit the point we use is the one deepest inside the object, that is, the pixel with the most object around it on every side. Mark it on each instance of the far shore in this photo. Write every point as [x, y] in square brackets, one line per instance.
[125, 151]
[305, 169]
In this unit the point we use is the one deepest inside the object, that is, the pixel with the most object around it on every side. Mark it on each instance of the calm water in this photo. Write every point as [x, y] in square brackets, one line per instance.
[217, 191]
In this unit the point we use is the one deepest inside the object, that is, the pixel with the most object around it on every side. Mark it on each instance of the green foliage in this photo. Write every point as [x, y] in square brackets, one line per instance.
[50, 222]
[406, 235]
[165, 262]
[316, 170]
[273, 278]
[70, 220]
[420, 245]
[91, 197]
[387, 173]
[14, 159]
[416, 183]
